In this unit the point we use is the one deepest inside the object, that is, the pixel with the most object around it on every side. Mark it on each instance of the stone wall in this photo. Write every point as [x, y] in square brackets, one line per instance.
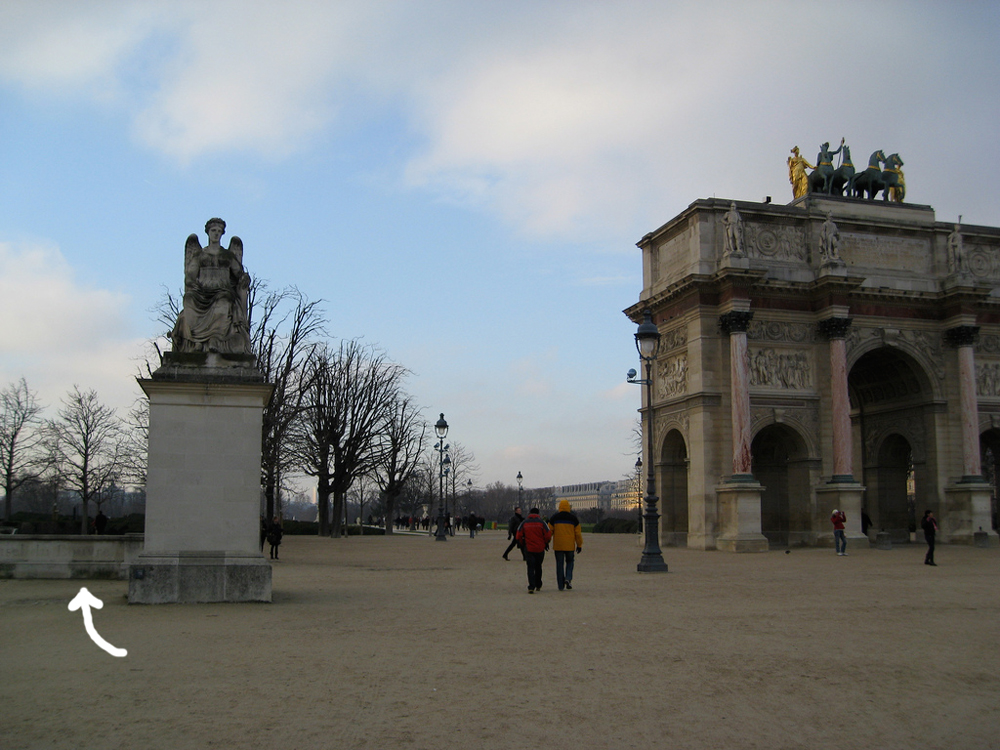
[52, 556]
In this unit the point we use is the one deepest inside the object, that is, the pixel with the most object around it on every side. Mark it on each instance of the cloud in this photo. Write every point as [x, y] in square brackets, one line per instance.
[59, 332]
[583, 119]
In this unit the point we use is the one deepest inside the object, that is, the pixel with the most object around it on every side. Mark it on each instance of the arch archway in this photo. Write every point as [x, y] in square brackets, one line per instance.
[989, 453]
[780, 464]
[674, 490]
[896, 483]
[891, 402]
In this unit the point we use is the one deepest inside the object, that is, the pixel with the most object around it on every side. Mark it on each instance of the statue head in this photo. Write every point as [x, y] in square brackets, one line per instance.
[826, 145]
[215, 221]
[795, 150]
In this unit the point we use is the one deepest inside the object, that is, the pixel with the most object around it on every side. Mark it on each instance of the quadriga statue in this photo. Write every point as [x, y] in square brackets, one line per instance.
[214, 316]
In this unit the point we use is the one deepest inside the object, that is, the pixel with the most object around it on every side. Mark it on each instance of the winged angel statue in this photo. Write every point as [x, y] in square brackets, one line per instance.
[214, 316]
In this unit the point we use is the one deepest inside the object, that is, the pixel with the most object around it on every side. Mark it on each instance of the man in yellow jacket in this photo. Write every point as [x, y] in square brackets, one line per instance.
[567, 539]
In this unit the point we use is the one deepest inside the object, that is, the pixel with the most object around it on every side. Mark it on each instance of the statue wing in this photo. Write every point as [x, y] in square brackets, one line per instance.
[191, 248]
[236, 248]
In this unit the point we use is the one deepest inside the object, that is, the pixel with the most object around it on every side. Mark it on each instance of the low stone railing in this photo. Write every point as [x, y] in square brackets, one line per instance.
[65, 556]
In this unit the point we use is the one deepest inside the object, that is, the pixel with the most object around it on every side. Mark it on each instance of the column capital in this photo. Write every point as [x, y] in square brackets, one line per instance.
[735, 322]
[834, 328]
[961, 335]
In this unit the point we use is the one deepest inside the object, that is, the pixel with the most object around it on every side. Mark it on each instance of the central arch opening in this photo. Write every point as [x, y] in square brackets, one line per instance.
[890, 402]
[779, 464]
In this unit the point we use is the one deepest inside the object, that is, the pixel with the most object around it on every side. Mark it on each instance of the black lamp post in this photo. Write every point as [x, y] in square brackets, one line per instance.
[638, 489]
[520, 492]
[441, 430]
[647, 342]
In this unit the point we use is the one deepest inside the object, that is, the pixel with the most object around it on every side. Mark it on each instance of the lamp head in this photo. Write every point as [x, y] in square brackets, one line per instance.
[647, 337]
[441, 427]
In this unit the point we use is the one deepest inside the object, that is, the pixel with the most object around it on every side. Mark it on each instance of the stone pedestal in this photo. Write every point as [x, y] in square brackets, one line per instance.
[202, 539]
[845, 496]
[967, 513]
[739, 507]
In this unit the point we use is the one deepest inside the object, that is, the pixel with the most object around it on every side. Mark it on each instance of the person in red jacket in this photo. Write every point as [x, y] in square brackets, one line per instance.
[533, 537]
[838, 519]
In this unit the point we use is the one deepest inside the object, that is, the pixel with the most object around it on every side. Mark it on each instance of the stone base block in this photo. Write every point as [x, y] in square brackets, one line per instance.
[747, 543]
[739, 503]
[986, 539]
[193, 577]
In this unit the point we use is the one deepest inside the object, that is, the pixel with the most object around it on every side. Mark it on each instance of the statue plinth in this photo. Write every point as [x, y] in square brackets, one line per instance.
[202, 536]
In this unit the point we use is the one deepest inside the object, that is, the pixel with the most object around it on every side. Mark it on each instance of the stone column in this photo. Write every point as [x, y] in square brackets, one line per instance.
[963, 338]
[835, 329]
[735, 324]
[739, 497]
[967, 503]
[842, 492]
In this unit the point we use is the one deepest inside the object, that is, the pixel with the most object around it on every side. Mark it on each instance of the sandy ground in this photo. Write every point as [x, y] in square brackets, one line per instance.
[387, 642]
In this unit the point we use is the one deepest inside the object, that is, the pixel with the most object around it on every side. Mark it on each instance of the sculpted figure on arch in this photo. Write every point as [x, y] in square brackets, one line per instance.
[214, 316]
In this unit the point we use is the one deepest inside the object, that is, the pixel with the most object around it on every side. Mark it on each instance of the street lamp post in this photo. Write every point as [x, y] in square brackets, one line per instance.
[647, 342]
[441, 430]
[520, 491]
[638, 489]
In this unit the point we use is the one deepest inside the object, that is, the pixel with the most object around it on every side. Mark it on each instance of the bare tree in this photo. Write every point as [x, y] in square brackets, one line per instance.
[349, 397]
[400, 445]
[284, 326]
[19, 439]
[88, 447]
[463, 468]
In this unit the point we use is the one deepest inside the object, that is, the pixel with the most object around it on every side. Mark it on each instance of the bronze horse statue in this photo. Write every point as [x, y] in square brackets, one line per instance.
[843, 179]
[871, 181]
[892, 176]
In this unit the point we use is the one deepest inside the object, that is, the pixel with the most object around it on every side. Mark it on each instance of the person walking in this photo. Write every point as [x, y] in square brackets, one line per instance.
[930, 527]
[512, 526]
[533, 536]
[274, 534]
[567, 540]
[838, 519]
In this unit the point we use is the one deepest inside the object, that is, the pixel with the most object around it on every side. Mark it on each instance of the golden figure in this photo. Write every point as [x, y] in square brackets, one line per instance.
[797, 166]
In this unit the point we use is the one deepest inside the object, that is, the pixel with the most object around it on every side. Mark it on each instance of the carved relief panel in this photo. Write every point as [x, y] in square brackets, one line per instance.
[772, 367]
[775, 242]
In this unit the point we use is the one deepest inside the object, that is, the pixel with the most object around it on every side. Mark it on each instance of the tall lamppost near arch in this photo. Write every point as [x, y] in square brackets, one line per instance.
[520, 491]
[441, 430]
[647, 342]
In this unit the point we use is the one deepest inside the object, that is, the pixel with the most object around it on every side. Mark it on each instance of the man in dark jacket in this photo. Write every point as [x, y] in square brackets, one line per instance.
[512, 526]
[929, 525]
[533, 536]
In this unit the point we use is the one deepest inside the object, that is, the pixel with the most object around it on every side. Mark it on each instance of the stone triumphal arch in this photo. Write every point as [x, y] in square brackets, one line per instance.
[829, 353]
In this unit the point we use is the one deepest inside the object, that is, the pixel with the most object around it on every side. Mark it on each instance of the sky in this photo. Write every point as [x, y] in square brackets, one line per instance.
[461, 183]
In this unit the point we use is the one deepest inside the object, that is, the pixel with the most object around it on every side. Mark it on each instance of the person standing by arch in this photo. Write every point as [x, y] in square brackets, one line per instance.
[930, 526]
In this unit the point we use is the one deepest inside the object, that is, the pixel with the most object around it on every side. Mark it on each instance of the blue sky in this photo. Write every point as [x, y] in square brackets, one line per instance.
[463, 183]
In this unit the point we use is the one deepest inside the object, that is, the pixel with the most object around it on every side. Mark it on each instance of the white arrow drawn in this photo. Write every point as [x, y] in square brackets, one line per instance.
[85, 600]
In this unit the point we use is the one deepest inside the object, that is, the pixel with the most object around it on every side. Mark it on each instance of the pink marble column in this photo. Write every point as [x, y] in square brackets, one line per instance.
[735, 324]
[835, 329]
[963, 338]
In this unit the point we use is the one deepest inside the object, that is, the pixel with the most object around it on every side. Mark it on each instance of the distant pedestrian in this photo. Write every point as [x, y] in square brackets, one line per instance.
[838, 519]
[274, 534]
[533, 536]
[100, 522]
[512, 526]
[567, 540]
[930, 527]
